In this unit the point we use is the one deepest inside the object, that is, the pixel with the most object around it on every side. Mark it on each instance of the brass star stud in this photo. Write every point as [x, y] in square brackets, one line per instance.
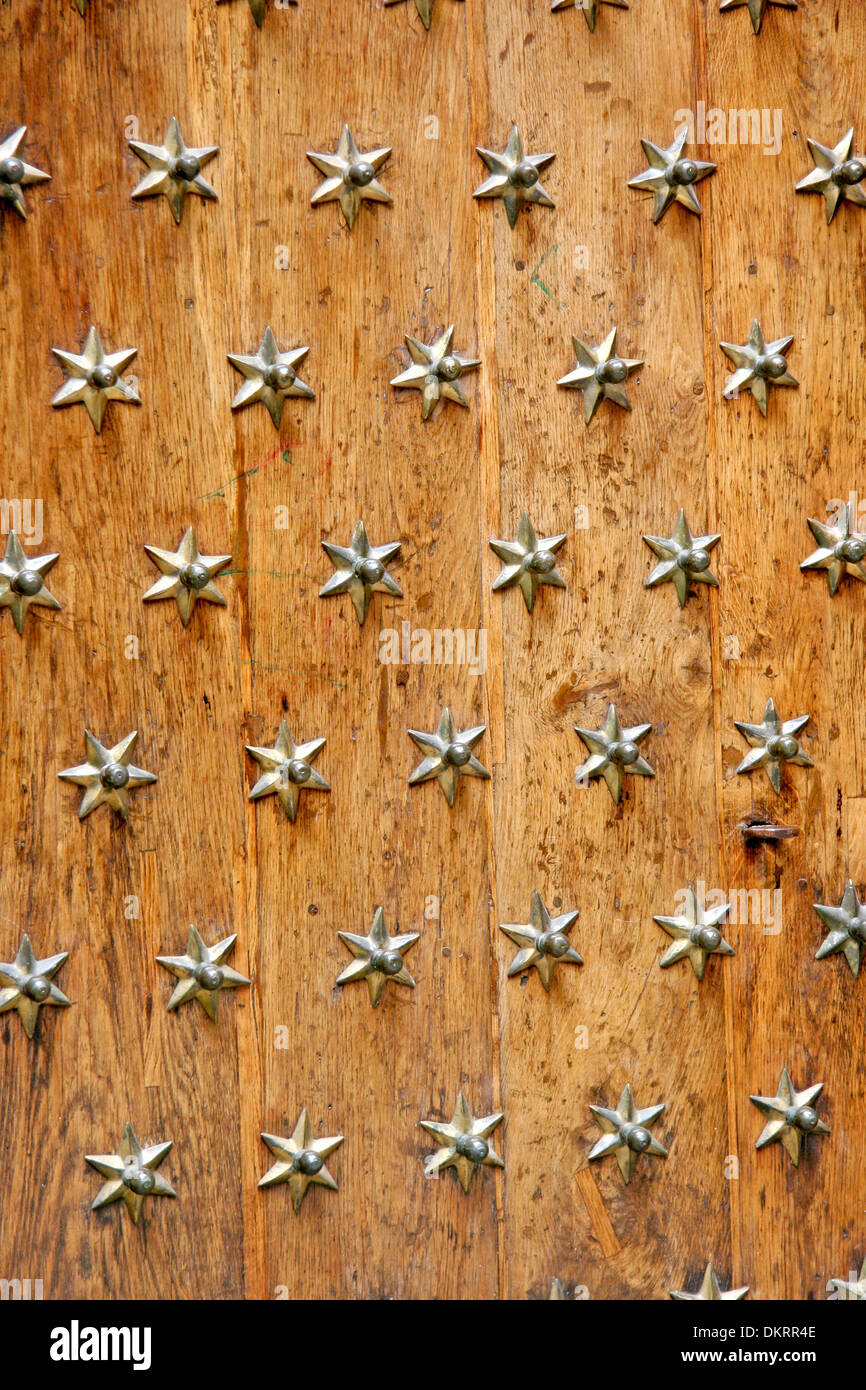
[187, 575]
[378, 957]
[850, 1290]
[837, 174]
[270, 377]
[448, 755]
[25, 984]
[757, 8]
[300, 1160]
[201, 973]
[790, 1116]
[360, 570]
[846, 929]
[131, 1174]
[711, 1291]
[759, 365]
[435, 371]
[543, 941]
[175, 169]
[514, 176]
[257, 9]
[626, 1133]
[464, 1143]
[287, 769]
[350, 176]
[670, 178]
[773, 744]
[614, 752]
[684, 559]
[94, 378]
[528, 562]
[15, 174]
[21, 581]
[599, 374]
[696, 934]
[840, 550]
[589, 7]
[107, 776]
[424, 8]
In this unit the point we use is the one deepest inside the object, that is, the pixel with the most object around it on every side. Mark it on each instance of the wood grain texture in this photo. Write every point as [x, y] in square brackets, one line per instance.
[195, 850]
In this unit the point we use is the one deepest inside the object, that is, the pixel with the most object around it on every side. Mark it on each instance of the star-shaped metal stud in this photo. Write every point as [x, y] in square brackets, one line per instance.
[790, 1116]
[711, 1291]
[599, 374]
[25, 984]
[774, 743]
[94, 378]
[543, 941]
[840, 550]
[846, 929]
[360, 570]
[287, 769]
[424, 8]
[514, 176]
[201, 973]
[837, 174]
[614, 752]
[589, 7]
[626, 1133]
[350, 176]
[670, 178]
[448, 755]
[684, 559]
[696, 934]
[528, 562]
[107, 776]
[131, 1174]
[853, 1289]
[257, 8]
[270, 377]
[464, 1143]
[759, 365]
[175, 169]
[435, 371]
[187, 575]
[757, 8]
[378, 957]
[22, 582]
[15, 174]
[300, 1160]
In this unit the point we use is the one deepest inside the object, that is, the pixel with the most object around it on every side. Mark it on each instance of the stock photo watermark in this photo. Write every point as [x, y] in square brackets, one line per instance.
[737, 126]
[24, 516]
[421, 646]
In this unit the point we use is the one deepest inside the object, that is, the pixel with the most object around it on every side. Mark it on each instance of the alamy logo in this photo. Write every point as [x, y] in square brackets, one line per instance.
[756, 907]
[76, 1343]
[739, 126]
[23, 515]
[419, 646]
[20, 1290]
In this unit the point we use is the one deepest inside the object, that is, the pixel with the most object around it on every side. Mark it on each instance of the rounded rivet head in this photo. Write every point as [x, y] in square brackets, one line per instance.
[11, 170]
[27, 582]
[852, 549]
[637, 1138]
[209, 976]
[709, 938]
[114, 776]
[851, 172]
[187, 167]
[773, 365]
[102, 377]
[684, 171]
[371, 571]
[696, 561]
[457, 754]
[553, 943]
[611, 372]
[280, 376]
[37, 988]
[541, 562]
[299, 771]
[472, 1147]
[308, 1162]
[449, 369]
[139, 1180]
[359, 174]
[783, 746]
[194, 576]
[625, 753]
[524, 174]
[806, 1118]
[389, 962]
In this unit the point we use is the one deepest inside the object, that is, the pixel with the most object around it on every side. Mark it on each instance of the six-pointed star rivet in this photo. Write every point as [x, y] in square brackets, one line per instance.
[696, 934]
[424, 8]
[626, 1133]
[258, 8]
[21, 580]
[543, 941]
[15, 174]
[757, 8]
[25, 984]
[684, 559]
[107, 776]
[711, 1291]
[270, 377]
[846, 929]
[850, 1290]
[840, 550]
[378, 957]
[599, 374]
[464, 1143]
[360, 570]
[287, 769]
[790, 1116]
[774, 743]
[448, 755]
[175, 169]
[589, 7]
[614, 752]
[131, 1173]
[759, 365]
[350, 176]
[837, 174]
[514, 176]
[201, 973]
[94, 378]
[670, 177]
[300, 1160]
[527, 561]
[435, 371]
[187, 575]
